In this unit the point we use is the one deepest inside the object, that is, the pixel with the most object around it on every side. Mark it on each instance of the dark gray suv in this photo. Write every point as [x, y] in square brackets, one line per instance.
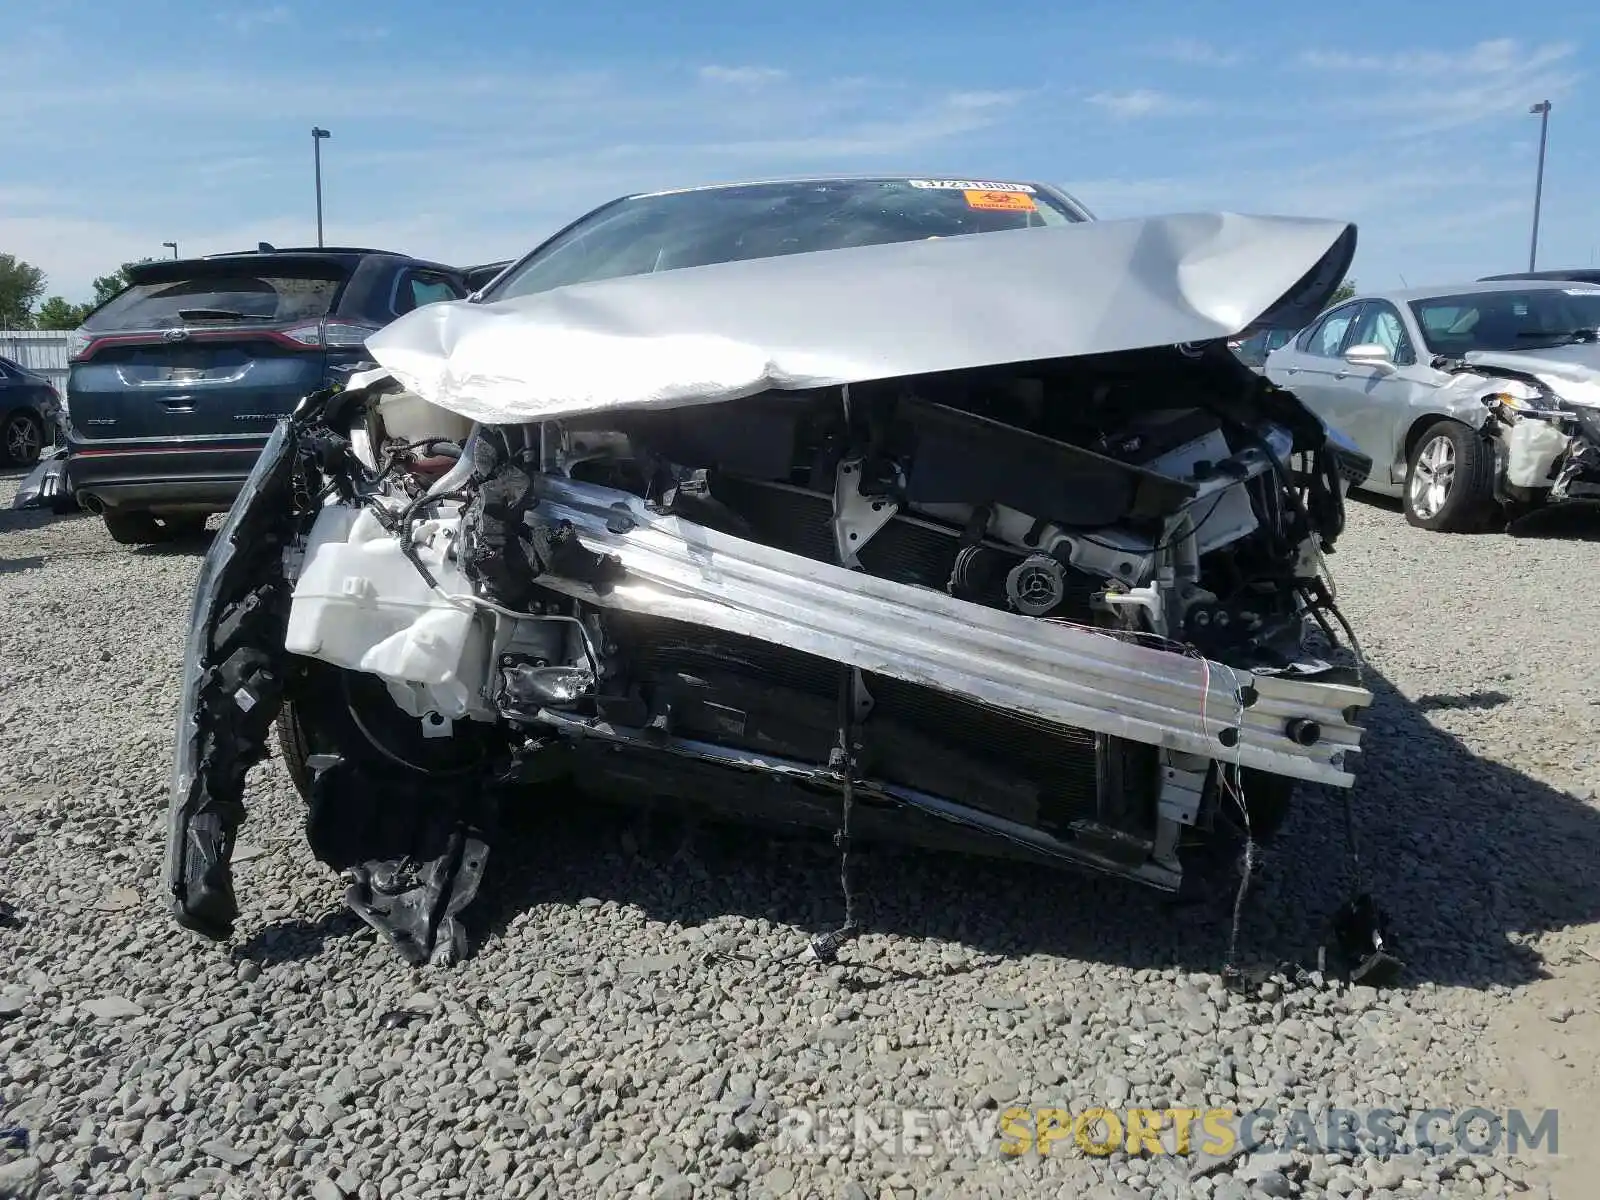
[177, 381]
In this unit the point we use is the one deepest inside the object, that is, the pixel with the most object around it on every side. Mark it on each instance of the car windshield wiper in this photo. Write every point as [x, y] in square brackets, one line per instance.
[1562, 337]
[212, 314]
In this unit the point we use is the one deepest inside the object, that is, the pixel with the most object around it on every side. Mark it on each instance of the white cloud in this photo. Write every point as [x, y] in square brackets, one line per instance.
[742, 76]
[1420, 94]
[981, 100]
[1497, 56]
[1198, 53]
[251, 19]
[1143, 102]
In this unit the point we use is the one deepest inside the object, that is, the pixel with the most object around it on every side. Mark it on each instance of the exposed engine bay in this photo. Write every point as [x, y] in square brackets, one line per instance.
[1057, 609]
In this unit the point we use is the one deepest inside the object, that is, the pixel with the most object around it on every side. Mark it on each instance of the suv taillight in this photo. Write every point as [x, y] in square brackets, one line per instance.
[78, 341]
[329, 333]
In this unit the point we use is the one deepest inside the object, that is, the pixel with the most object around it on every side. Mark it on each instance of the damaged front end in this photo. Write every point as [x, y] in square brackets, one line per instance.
[1543, 428]
[1054, 607]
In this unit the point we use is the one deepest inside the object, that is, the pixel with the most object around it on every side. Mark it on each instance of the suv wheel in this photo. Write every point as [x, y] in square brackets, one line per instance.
[21, 439]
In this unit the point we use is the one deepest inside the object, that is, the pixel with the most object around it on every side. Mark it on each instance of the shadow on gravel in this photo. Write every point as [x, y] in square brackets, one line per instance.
[1575, 520]
[296, 941]
[1384, 503]
[194, 545]
[1461, 700]
[1578, 521]
[1464, 855]
[31, 562]
[14, 519]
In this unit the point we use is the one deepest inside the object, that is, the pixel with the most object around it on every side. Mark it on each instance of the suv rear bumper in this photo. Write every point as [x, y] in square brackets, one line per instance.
[160, 474]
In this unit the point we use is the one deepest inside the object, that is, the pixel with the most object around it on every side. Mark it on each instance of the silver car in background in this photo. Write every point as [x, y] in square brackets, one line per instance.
[1474, 401]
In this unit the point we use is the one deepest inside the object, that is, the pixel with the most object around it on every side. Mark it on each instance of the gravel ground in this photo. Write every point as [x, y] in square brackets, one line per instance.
[635, 1022]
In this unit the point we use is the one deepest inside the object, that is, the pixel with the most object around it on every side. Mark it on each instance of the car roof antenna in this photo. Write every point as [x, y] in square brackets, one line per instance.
[264, 247]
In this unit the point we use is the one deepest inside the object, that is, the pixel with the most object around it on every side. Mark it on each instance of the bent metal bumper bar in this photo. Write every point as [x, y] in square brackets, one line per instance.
[1069, 675]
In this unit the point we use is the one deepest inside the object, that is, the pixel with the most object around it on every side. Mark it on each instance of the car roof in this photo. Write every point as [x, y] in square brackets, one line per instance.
[1571, 275]
[18, 367]
[348, 256]
[1483, 286]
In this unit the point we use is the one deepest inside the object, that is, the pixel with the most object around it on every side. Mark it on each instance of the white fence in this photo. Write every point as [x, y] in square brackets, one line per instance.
[40, 350]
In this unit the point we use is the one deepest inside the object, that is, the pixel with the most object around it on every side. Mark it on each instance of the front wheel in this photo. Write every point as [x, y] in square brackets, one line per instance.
[1450, 480]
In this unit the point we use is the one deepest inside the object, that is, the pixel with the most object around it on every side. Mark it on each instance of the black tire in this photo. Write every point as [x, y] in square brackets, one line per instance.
[1465, 503]
[21, 438]
[147, 529]
[295, 745]
[317, 718]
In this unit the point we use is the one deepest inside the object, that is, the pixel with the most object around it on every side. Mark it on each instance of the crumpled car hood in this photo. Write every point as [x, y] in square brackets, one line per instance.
[1572, 372]
[709, 334]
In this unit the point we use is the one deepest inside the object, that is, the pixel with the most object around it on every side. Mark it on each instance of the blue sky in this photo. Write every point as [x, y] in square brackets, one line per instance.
[468, 131]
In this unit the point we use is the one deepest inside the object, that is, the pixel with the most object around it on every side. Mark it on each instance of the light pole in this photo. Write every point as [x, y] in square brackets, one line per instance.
[1542, 111]
[173, 246]
[317, 134]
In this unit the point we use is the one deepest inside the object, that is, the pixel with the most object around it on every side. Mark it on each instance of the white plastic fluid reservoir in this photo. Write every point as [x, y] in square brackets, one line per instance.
[409, 417]
[360, 604]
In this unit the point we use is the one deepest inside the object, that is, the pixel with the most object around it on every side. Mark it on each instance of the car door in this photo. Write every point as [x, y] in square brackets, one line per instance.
[1308, 365]
[1380, 399]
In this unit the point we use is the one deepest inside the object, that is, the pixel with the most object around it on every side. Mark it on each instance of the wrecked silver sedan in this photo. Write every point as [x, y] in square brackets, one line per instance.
[1475, 402]
[923, 509]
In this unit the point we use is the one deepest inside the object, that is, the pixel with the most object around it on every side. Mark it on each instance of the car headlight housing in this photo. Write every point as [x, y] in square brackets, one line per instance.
[1528, 404]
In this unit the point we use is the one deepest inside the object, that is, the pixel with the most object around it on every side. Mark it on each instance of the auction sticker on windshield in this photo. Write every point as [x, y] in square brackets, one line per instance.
[1001, 201]
[970, 185]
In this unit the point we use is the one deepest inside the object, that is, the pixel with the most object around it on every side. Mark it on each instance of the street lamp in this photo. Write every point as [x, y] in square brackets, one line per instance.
[173, 246]
[1542, 111]
[317, 134]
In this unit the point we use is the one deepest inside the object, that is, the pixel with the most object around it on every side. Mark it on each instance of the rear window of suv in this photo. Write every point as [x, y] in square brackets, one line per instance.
[223, 296]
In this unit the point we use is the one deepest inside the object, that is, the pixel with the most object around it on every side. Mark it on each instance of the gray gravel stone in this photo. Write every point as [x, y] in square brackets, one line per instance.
[21, 1179]
[112, 1008]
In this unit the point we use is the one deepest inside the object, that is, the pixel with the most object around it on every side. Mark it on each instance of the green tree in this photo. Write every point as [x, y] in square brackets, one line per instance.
[58, 313]
[20, 285]
[1343, 292]
[107, 286]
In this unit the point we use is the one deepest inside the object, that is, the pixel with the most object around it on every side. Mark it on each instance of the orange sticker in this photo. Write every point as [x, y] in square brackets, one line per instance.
[1000, 201]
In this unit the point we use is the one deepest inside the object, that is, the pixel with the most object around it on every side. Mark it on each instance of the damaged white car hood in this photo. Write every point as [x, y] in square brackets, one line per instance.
[1571, 372]
[709, 334]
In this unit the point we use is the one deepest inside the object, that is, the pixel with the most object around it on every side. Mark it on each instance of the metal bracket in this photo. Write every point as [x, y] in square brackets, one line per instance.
[856, 518]
[860, 698]
[1178, 803]
[1183, 784]
[1149, 598]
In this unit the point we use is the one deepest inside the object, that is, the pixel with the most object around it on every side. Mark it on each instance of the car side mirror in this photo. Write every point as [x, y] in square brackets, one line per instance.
[1369, 354]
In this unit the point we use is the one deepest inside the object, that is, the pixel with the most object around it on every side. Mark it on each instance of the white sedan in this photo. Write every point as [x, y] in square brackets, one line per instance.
[1474, 401]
